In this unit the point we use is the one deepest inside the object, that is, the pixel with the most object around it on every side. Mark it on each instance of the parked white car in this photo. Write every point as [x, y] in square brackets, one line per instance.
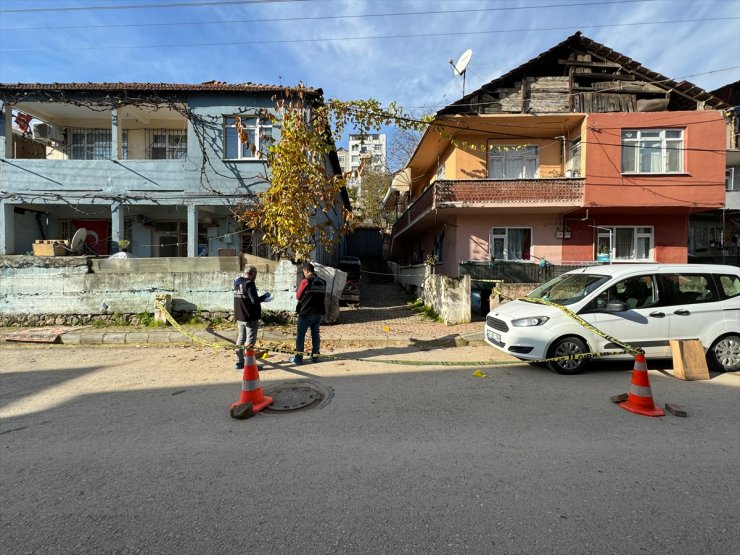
[643, 305]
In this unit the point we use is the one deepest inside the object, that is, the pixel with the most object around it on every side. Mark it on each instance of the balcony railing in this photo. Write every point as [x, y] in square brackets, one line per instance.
[494, 193]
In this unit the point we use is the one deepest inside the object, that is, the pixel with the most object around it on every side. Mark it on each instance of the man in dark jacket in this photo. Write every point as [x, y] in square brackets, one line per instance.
[247, 312]
[310, 309]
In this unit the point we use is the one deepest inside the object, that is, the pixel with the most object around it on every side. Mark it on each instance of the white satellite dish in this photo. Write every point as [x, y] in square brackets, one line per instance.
[78, 239]
[461, 66]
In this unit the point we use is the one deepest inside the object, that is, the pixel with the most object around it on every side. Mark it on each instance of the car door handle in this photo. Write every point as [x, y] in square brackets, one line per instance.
[657, 314]
[682, 312]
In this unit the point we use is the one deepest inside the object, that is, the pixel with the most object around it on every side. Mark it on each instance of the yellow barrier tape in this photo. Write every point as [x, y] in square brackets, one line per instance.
[273, 348]
[629, 348]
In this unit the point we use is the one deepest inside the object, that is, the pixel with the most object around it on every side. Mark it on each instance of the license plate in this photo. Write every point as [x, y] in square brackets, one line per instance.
[494, 336]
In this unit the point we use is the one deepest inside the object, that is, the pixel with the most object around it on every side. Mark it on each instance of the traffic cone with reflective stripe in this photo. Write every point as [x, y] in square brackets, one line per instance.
[640, 396]
[251, 400]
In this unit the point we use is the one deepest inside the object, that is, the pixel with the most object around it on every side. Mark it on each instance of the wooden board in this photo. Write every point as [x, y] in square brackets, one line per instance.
[689, 362]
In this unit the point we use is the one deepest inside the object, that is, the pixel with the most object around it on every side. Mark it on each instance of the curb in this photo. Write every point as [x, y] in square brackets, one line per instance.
[171, 337]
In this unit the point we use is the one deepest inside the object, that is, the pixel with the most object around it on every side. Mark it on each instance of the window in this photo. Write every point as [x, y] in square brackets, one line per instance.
[574, 158]
[89, 144]
[652, 151]
[686, 289]
[624, 243]
[730, 183]
[704, 235]
[635, 292]
[166, 144]
[513, 162]
[510, 243]
[730, 285]
[258, 138]
[440, 171]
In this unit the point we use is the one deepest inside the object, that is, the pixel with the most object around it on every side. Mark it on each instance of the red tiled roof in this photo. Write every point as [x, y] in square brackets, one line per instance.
[209, 86]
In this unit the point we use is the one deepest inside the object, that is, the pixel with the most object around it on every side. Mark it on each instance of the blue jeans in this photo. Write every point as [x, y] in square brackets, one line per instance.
[306, 321]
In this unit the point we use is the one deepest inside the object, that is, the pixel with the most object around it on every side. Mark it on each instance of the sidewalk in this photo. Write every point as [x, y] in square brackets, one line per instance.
[382, 319]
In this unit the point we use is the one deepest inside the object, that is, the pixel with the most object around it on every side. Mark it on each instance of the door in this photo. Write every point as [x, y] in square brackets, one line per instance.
[643, 325]
[167, 245]
[691, 303]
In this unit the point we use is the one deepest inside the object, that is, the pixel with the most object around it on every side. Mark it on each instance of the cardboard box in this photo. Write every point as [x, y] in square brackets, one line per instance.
[51, 247]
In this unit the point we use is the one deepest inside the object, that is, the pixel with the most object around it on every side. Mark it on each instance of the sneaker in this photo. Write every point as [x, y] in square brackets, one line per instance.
[315, 359]
[296, 360]
[239, 366]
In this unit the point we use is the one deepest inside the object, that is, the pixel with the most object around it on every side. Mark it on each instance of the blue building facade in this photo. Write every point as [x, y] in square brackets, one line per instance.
[159, 165]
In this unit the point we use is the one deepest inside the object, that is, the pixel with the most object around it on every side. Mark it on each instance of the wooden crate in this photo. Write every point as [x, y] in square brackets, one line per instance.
[51, 247]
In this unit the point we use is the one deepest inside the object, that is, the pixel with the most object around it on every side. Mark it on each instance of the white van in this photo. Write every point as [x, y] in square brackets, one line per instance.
[643, 305]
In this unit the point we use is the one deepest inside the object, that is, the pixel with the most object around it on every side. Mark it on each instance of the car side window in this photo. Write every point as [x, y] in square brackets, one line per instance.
[635, 292]
[730, 285]
[687, 289]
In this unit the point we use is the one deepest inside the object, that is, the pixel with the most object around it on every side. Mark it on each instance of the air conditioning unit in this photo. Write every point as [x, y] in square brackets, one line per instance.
[47, 132]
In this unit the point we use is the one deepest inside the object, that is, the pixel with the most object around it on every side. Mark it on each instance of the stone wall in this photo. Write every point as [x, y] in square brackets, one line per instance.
[449, 297]
[511, 290]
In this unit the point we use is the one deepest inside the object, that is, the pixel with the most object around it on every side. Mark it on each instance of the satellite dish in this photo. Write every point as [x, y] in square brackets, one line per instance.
[462, 64]
[78, 239]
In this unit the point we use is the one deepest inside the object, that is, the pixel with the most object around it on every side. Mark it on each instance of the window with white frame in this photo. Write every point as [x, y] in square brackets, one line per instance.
[625, 242]
[258, 137]
[89, 144]
[440, 171]
[574, 158]
[513, 162]
[510, 243]
[652, 151]
[730, 183]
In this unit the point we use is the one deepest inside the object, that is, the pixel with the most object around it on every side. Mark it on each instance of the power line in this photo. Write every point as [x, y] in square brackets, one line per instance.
[145, 6]
[324, 17]
[374, 37]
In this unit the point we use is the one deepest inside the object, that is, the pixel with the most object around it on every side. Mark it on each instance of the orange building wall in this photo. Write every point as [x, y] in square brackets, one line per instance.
[474, 164]
[701, 187]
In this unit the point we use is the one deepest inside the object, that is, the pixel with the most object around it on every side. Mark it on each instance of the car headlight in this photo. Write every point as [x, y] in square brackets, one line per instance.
[528, 322]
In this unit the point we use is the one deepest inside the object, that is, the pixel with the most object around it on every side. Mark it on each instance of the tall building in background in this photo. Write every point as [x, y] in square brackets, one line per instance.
[370, 147]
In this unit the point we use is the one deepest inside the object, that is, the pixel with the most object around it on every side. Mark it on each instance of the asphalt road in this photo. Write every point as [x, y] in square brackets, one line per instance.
[132, 450]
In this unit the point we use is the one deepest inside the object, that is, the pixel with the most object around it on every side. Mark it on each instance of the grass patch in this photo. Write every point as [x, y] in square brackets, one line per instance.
[419, 307]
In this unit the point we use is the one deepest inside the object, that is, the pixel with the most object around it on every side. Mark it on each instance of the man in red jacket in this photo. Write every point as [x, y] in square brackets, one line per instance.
[310, 309]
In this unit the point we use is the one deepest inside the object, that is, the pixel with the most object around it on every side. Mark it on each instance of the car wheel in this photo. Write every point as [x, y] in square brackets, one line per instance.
[724, 354]
[566, 346]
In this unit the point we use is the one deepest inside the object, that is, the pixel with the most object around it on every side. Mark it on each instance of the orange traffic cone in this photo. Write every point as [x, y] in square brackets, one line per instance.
[251, 400]
[640, 396]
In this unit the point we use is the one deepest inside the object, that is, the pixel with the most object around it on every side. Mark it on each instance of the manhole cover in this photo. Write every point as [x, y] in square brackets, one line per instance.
[297, 395]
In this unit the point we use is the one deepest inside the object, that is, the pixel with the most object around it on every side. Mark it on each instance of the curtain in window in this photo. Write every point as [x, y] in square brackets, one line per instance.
[625, 242]
[519, 242]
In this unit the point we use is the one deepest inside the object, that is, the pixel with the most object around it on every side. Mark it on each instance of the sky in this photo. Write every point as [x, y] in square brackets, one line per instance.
[390, 50]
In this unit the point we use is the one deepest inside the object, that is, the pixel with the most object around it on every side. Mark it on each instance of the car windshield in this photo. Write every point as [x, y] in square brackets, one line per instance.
[568, 288]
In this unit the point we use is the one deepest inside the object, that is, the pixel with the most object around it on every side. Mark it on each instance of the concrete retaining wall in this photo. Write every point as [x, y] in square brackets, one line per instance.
[513, 290]
[449, 297]
[33, 287]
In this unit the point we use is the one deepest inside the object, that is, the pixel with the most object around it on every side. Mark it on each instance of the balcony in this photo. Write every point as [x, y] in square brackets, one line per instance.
[456, 196]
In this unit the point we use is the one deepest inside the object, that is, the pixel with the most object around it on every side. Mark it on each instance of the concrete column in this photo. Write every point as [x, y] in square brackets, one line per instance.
[6, 124]
[192, 230]
[7, 231]
[117, 228]
[115, 143]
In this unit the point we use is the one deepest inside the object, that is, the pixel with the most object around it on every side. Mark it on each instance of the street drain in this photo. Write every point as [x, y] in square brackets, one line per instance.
[297, 395]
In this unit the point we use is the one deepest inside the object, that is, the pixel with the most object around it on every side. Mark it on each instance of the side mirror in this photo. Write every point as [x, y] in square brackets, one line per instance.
[616, 306]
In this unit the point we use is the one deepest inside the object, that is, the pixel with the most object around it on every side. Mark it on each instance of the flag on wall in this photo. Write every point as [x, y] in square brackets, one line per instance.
[22, 120]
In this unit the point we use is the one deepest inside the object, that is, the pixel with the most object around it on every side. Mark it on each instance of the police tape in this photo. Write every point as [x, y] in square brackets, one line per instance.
[278, 349]
[629, 348]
